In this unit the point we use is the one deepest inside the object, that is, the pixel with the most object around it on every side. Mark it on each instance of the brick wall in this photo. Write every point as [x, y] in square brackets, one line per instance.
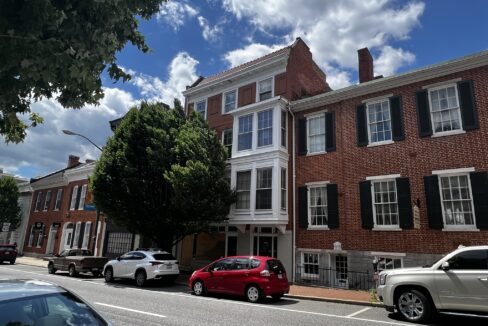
[414, 158]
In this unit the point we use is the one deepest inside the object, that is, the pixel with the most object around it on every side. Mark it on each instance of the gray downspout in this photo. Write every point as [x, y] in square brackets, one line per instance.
[294, 195]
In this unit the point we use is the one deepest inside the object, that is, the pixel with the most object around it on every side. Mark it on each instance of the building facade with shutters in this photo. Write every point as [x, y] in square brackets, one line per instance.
[391, 172]
[248, 106]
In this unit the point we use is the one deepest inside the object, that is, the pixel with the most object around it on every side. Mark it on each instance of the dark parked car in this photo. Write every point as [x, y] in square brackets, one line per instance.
[76, 261]
[32, 302]
[8, 252]
[254, 277]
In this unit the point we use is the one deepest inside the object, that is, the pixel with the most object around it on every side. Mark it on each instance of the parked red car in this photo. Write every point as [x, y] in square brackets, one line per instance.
[8, 252]
[254, 277]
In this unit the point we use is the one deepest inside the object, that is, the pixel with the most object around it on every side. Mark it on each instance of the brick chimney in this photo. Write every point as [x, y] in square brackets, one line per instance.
[73, 161]
[365, 65]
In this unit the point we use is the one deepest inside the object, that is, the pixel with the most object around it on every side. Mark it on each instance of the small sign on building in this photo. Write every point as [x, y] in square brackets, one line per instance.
[5, 227]
[416, 217]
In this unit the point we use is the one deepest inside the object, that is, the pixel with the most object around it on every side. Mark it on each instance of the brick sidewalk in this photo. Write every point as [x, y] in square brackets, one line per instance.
[296, 291]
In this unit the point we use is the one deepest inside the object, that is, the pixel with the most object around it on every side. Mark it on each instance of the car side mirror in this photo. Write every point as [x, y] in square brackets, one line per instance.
[445, 266]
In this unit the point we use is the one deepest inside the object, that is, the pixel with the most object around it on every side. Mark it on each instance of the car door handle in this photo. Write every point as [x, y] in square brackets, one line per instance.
[483, 279]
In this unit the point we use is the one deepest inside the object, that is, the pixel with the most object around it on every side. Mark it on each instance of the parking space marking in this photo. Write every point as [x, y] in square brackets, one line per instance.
[131, 310]
[358, 312]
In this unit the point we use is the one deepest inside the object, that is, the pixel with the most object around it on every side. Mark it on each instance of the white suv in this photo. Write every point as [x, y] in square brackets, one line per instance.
[143, 265]
[457, 283]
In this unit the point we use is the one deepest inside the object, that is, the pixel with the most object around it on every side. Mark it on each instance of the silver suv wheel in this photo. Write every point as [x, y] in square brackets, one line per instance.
[414, 306]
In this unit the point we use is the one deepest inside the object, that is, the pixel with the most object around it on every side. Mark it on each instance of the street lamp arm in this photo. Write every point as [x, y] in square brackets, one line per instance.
[91, 142]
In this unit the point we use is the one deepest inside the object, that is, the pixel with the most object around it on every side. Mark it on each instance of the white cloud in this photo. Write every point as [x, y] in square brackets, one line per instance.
[181, 72]
[209, 33]
[390, 59]
[249, 52]
[175, 13]
[334, 30]
[46, 148]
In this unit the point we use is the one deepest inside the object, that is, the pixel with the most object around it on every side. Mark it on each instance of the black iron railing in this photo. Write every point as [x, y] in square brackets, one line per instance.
[329, 277]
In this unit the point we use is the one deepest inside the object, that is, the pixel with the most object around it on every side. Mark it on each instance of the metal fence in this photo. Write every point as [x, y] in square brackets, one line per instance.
[329, 277]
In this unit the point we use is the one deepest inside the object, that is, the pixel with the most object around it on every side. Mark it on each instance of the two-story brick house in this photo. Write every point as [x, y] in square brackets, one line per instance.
[248, 106]
[404, 179]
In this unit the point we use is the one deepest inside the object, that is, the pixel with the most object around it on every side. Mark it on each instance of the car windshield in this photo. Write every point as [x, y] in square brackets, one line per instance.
[164, 257]
[53, 309]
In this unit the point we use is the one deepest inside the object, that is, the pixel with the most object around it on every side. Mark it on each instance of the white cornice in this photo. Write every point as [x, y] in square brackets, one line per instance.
[269, 103]
[438, 70]
[80, 173]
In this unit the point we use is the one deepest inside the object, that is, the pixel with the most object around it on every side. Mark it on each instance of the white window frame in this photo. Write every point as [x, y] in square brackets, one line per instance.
[38, 202]
[385, 257]
[384, 179]
[59, 195]
[86, 235]
[284, 129]
[258, 88]
[448, 132]
[249, 191]
[309, 275]
[311, 186]
[257, 188]
[81, 204]
[74, 194]
[206, 107]
[228, 146]
[457, 227]
[245, 133]
[76, 235]
[47, 200]
[283, 189]
[224, 100]
[311, 117]
[271, 112]
[383, 142]
[31, 236]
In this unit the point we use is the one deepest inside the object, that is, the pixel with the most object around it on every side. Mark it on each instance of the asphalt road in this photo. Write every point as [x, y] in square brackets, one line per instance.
[124, 304]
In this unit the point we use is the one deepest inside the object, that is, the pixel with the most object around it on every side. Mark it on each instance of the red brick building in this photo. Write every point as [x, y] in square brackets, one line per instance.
[58, 217]
[392, 170]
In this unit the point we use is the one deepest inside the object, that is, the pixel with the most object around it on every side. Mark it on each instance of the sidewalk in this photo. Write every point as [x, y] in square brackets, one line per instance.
[296, 291]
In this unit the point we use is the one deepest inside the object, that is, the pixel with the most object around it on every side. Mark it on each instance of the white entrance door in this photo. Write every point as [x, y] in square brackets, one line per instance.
[51, 240]
[67, 236]
[339, 274]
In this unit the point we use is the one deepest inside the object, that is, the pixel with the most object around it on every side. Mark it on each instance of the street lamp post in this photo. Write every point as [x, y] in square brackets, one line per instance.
[71, 133]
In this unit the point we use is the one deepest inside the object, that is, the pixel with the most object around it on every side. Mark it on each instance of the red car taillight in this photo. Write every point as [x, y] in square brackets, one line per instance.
[265, 273]
[155, 263]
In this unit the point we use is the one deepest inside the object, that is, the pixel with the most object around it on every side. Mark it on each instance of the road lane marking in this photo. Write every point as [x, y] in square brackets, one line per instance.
[358, 312]
[131, 310]
[186, 295]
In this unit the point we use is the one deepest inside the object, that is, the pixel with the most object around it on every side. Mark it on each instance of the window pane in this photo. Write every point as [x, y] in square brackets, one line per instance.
[473, 259]
[379, 121]
[265, 90]
[456, 200]
[245, 133]
[243, 188]
[445, 109]
[265, 128]
[318, 206]
[385, 203]
[264, 188]
[316, 134]
[230, 101]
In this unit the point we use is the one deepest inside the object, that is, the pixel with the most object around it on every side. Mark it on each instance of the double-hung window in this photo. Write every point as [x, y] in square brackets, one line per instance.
[243, 189]
[38, 201]
[385, 203]
[265, 128]
[264, 188]
[86, 235]
[47, 200]
[230, 101]
[227, 141]
[244, 138]
[265, 89]
[316, 134]
[73, 198]
[59, 196]
[379, 122]
[283, 128]
[310, 265]
[201, 108]
[317, 205]
[81, 204]
[386, 263]
[444, 109]
[457, 201]
[283, 188]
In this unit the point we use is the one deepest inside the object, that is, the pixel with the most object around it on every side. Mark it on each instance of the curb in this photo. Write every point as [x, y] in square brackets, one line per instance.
[336, 300]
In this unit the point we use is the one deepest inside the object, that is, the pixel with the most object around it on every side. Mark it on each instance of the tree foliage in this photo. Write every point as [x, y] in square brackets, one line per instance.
[59, 48]
[162, 174]
[9, 202]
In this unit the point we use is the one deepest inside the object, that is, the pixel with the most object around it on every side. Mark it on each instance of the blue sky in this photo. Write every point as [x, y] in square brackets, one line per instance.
[192, 38]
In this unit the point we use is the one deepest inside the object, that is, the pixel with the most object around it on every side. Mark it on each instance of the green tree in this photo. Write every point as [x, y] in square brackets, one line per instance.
[9, 202]
[59, 48]
[162, 175]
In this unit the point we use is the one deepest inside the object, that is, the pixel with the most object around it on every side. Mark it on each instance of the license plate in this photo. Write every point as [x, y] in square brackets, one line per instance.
[169, 266]
[7, 253]
[95, 269]
[280, 276]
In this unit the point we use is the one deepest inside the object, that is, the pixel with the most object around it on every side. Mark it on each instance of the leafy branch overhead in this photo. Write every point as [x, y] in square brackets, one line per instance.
[59, 49]
[162, 175]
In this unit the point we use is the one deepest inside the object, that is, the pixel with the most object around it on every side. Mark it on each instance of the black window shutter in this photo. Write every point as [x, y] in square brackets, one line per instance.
[330, 140]
[423, 114]
[82, 233]
[479, 188]
[361, 125]
[78, 195]
[398, 131]
[404, 203]
[302, 136]
[332, 206]
[303, 207]
[433, 200]
[468, 108]
[366, 204]
[73, 235]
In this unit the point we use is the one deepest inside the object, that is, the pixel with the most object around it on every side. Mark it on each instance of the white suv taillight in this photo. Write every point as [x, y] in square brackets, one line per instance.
[265, 273]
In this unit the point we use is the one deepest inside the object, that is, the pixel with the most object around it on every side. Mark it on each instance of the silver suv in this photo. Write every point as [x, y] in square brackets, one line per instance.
[457, 283]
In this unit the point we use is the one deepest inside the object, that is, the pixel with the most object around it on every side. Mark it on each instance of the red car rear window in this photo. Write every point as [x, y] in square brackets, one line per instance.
[7, 248]
[275, 266]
